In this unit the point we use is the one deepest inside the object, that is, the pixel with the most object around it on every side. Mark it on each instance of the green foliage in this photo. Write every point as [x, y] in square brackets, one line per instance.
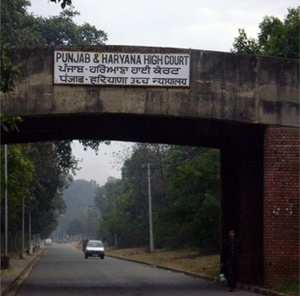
[92, 144]
[20, 169]
[292, 288]
[62, 30]
[64, 3]
[243, 44]
[185, 190]
[9, 123]
[13, 31]
[8, 72]
[36, 175]
[50, 179]
[66, 161]
[8, 75]
[276, 37]
[194, 192]
[21, 29]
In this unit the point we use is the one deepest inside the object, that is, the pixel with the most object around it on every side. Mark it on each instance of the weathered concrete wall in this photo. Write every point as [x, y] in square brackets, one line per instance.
[224, 86]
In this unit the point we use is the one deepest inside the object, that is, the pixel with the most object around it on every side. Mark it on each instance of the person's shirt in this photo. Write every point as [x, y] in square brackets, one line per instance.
[231, 249]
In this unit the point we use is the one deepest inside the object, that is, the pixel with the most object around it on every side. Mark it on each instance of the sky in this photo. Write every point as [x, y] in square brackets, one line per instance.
[197, 24]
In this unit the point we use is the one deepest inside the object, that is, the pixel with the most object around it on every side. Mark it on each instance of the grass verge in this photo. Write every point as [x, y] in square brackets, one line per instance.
[187, 260]
[289, 288]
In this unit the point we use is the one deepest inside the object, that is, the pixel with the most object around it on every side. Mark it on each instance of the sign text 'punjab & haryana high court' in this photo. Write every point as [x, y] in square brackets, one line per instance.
[132, 69]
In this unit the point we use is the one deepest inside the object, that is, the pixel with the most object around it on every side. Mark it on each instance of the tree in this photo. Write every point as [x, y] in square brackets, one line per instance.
[21, 29]
[20, 169]
[9, 123]
[193, 216]
[62, 30]
[49, 181]
[107, 200]
[64, 3]
[276, 37]
[8, 75]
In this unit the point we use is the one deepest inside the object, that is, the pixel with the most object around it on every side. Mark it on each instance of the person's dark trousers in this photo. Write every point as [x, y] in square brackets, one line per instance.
[232, 274]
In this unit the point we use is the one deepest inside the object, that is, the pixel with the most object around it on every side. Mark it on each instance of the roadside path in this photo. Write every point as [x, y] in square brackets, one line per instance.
[18, 270]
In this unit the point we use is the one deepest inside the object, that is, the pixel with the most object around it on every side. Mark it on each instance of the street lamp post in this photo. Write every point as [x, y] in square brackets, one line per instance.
[29, 230]
[150, 209]
[23, 229]
[115, 222]
[6, 203]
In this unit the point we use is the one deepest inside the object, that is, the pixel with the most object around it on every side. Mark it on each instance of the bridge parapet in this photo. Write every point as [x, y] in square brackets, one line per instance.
[222, 86]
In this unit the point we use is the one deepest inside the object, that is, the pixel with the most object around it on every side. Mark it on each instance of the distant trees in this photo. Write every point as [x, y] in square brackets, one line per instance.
[185, 184]
[78, 197]
[276, 37]
[75, 227]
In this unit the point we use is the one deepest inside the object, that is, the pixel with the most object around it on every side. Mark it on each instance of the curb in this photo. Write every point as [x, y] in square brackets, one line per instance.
[13, 286]
[257, 290]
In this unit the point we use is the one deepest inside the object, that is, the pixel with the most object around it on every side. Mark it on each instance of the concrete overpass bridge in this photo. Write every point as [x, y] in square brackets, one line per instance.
[246, 106]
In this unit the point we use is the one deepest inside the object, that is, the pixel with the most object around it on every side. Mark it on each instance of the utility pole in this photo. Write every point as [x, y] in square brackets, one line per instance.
[6, 203]
[150, 209]
[23, 229]
[29, 230]
[115, 222]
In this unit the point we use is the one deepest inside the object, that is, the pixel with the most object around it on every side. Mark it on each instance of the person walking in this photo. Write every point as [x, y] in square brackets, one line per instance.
[230, 252]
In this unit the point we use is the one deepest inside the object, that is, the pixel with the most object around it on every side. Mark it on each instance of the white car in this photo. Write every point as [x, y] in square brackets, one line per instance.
[94, 248]
[48, 242]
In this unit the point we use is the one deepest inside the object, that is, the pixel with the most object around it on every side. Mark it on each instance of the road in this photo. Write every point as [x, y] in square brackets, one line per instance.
[62, 270]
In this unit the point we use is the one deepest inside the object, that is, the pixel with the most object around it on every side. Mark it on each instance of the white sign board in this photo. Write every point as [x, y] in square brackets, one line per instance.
[132, 69]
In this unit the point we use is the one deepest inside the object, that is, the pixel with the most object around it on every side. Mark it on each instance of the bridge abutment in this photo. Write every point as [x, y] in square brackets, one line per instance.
[281, 205]
[260, 200]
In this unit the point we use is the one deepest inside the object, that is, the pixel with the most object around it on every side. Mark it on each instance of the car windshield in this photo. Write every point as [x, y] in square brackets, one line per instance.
[95, 244]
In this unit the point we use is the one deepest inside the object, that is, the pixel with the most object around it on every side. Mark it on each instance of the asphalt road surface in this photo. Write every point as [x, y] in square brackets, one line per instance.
[62, 270]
